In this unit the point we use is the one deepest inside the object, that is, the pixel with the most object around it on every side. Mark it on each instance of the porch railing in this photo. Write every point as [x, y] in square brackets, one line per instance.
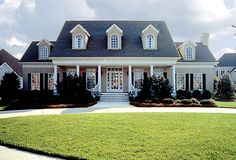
[133, 89]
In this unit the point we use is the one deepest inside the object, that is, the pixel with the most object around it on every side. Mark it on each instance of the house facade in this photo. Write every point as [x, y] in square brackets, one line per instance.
[9, 64]
[227, 63]
[115, 56]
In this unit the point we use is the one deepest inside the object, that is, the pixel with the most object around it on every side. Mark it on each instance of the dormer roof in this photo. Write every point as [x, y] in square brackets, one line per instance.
[187, 42]
[77, 27]
[150, 28]
[45, 40]
[114, 27]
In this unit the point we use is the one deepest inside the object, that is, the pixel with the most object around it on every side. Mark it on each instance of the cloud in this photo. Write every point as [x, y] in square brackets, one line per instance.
[13, 41]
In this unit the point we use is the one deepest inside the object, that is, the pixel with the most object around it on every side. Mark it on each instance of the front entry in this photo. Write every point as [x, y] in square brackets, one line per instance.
[114, 79]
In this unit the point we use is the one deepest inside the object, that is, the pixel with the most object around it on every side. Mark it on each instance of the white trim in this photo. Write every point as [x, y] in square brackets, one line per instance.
[45, 40]
[151, 27]
[116, 27]
[185, 42]
[5, 63]
[81, 27]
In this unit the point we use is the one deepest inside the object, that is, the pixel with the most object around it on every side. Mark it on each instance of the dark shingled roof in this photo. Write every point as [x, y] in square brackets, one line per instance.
[31, 54]
[11, 61]
[228, 59]
[203, 54]
[131, 41]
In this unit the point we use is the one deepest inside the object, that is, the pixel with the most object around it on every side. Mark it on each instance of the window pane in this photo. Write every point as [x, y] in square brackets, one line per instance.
[138, 77]
[35, 81]
[180, 81]
[44, 53]
[197, 80]
[50, 81]
[90, 78]
[114, 41]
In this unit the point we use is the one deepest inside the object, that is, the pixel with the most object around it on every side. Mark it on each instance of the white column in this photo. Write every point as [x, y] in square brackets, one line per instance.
[77, 70]
[173, 78]
[130, 77]
[151, 70]
[99, 78]
[55, 80]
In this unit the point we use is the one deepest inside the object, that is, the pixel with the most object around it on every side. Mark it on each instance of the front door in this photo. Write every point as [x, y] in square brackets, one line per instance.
[114, 79]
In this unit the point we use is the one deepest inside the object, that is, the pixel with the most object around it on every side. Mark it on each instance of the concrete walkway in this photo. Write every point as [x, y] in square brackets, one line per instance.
[111, 107]
[100, 107]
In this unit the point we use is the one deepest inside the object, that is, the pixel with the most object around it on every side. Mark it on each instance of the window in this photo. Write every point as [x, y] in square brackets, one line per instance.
[44, 53]
[180, 81]
[189, 53]
[138, 78]
[90, 78]
[50, 81]
[197, 81]
[35, 81]
[149, 41]
[70, 71]
[114, 41]
[79, 41]
[217, 74]
[222, 72]
[157, 72]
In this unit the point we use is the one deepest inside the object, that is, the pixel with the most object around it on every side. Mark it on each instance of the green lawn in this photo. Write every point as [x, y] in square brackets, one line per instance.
[226, 104]
[126, 135]
[2, 108]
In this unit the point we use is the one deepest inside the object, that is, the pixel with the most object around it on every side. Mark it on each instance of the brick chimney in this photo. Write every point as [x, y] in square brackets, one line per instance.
[204, 38]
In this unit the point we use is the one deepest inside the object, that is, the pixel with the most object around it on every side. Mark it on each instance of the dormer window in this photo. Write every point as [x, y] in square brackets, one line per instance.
[79, 40]
[114, 37]
[150, 41]
[189, 53]
[80, 37]
[114, 41]
[149, 37]
[44, 53]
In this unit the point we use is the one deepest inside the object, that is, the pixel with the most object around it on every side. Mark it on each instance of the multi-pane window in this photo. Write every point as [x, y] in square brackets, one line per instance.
[79, 41]
[70, 71]
[35, 81]
[114, 41]
[90, 78]
[44, 53]
[149, 41]
[158, 72]
[189, 53]
[197, 81]
[138, 77]
[180, 81]
[50, 81]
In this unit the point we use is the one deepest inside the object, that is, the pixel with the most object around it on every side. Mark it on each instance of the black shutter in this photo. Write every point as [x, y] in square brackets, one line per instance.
[58, 78]
[29, 81]
[204, 81]
[165, 75]
[41, 81]
[187, 81]
[132, 78]
[96, 77]
[64, 76]
[46, 81]
[191, 81]
[145, 75]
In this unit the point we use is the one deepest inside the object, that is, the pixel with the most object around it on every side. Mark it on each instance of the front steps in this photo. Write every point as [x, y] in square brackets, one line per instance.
[114, 97]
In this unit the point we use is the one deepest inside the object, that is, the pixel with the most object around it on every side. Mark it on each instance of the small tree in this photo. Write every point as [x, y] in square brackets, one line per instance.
[224, 87]
[9, 88]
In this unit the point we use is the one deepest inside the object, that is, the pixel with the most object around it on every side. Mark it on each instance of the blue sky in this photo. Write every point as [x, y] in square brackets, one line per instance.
[23, 21]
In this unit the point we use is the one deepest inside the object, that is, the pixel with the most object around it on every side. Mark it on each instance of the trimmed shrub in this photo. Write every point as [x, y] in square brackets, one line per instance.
[195, 101]
[196, 94]
[178, 101]
[183, 94]
[168, 101]
[208, 103]
[186, 101]
[206, 94]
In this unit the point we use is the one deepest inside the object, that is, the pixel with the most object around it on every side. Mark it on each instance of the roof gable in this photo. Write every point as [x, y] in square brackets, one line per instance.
[114, 28]
[80, 28]
[150, 28]
[45, 41]
[187, 43]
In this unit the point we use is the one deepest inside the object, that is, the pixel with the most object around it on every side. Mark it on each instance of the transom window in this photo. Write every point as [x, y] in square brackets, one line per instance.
[158, 72]
[44, 53]
[79, 41]
[138, 77]
[114, 41]
[35, 81]
[149, 42]
[180, 81]
[189, 53]
[197, 81]
[90, 78]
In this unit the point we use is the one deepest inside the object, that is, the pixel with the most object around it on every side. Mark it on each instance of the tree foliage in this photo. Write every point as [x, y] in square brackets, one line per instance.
[224, 87]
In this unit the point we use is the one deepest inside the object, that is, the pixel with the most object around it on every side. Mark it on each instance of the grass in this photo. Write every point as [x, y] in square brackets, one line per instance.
[226, 104]
[2, 108]
[125, 135]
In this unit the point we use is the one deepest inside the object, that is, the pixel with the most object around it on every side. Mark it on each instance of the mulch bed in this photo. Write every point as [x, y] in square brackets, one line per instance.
[144, 104]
